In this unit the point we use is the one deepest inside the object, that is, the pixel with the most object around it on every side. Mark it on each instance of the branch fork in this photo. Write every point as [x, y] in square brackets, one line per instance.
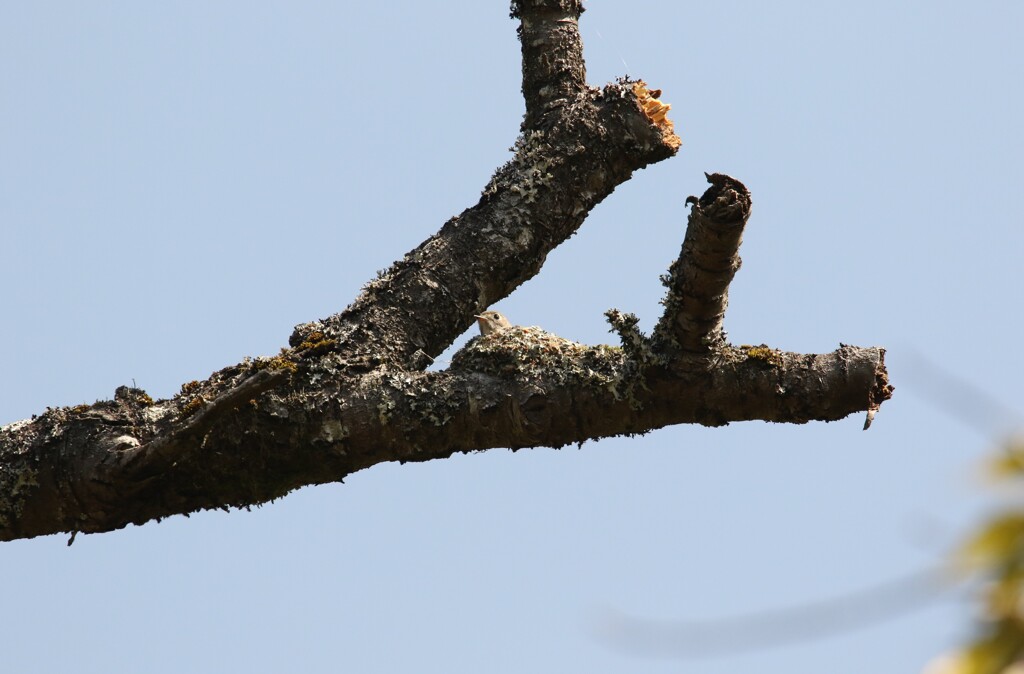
[351, 390]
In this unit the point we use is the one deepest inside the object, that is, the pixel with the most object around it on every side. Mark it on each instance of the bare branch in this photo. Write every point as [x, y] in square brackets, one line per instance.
[577, 155]
[554, 72]
[698, 281]
[350, 392]
[520, 387]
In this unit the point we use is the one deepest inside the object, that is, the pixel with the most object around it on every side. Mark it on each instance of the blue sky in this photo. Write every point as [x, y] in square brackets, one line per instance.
[181, 183]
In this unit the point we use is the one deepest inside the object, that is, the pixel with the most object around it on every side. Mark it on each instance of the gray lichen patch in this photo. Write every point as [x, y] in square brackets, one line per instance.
[637, 346]
[17, 480]
[533, 356]
[395, 393]
[333, 431]
[15, 426]
[528, 171]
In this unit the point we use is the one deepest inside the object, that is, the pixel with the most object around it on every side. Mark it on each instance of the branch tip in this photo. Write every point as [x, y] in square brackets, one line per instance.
[726, 201]
[656, 112]
[518, 8]
[881, 390]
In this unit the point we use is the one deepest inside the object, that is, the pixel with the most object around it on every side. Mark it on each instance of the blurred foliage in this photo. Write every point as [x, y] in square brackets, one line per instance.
[995, 553]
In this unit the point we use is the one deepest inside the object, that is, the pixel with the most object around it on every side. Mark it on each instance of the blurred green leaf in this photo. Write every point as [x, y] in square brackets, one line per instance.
[997, 544]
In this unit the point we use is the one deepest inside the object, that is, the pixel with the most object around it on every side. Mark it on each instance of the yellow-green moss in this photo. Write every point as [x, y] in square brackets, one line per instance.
[25, 481]
[316, 342]
[193, 406]
[282, 361]
[764, 353]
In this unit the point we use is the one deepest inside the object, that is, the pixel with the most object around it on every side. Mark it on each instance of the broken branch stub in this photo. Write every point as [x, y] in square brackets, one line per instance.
[698, 280]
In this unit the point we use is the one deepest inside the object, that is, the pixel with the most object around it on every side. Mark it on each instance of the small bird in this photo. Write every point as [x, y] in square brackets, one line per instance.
[491, 321]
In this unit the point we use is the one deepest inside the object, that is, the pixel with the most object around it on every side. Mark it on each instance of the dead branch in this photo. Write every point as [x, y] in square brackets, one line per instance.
[350, 391]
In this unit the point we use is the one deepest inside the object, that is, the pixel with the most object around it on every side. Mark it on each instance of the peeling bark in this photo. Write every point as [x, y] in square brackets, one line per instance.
[350, 391]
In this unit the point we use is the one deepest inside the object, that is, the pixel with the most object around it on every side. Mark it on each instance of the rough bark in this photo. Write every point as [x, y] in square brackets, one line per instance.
[350, 391]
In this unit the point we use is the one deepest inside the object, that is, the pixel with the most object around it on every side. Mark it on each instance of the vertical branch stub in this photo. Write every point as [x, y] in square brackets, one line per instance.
[553, 68]
[698, 281]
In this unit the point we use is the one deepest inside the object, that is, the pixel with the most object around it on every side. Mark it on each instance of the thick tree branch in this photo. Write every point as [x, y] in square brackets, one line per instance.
[569, 157]
[554, 72]
[531, 205]
[350, 392]
[517, 388]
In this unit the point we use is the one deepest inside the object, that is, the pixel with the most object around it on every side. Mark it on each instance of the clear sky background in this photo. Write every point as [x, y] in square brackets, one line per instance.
[181, 183]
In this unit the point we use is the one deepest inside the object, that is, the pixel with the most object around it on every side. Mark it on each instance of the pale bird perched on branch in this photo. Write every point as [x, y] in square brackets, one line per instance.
[492, 321]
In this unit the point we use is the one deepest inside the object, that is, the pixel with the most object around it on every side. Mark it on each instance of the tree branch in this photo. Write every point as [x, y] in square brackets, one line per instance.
[554, 72]
[516, 388]
[698, 281]
[350, 392]
[569, 157]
